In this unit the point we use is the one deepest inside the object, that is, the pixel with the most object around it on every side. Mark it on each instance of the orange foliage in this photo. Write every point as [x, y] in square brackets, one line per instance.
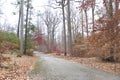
[107, 34]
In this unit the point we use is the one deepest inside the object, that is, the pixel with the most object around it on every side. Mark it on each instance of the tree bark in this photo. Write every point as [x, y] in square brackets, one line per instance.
[111, 29]
[21, 28]
[18, 26]
[82, 25]
[69, 29]
[93, 18]
[86, 17]
[64, 29]
[25, 47]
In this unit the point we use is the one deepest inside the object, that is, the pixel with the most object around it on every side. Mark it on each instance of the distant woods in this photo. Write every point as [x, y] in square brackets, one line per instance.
[85, 26]
[75, 27]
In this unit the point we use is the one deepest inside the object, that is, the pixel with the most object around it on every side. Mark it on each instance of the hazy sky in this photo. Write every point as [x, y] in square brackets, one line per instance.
[8, 9]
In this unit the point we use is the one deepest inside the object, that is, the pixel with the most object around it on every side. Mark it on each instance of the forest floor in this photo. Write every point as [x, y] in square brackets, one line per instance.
[16, 68]
[110, 67]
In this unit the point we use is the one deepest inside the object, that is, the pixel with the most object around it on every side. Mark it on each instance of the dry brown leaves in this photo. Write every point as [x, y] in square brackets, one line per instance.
[18, 68]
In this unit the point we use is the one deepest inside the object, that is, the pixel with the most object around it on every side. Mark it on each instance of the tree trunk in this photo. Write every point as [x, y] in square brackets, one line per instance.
[25, 47]
[21, 28]
[53, 36]
[111, 30]
[86, 17]
[82, 25]
[18, 27]
[69, 29]
[48, 38]
[93, 27]
[64, 29]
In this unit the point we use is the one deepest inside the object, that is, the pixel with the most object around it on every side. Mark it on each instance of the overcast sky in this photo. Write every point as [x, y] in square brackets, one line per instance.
[8, 9]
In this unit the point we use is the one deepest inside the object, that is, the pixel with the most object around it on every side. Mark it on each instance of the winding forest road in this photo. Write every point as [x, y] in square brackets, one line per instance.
[50, 68]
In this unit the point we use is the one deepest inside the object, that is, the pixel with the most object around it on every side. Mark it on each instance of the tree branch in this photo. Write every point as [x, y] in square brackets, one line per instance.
[53, 7]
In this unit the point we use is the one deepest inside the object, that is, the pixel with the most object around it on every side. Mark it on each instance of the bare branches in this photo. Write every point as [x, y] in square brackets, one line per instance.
[51, 21]
[53, 7]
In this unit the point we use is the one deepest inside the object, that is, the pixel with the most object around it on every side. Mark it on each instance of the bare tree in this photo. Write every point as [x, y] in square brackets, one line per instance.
[64, 28]
[82, 23]
[46, 19]
[75, 22]
[93, 14]
[21, 27]
[54, 22]
[26, 26]
[86, 17]
[51, 21]
[18, 4]
[84, 7]
[61, 4]
[18, 26]
[69, 28]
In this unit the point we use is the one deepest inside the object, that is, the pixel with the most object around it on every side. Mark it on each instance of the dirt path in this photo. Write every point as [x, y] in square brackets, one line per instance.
[93, 62]
[50, 68]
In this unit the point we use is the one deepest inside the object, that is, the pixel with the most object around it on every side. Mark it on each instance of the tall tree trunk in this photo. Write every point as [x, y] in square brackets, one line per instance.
[110, 9]
[111, 27]
[48, 38]
[18, 26]
[82, 24]
[93, 18]
[69, 29]
[64, 29]
[86, 17]
[116, 9]
[53, 36]
[21, 28]
[25, 47]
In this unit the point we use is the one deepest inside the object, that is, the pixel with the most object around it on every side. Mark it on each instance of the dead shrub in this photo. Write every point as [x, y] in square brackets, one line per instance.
[79, 50]
[29, 52]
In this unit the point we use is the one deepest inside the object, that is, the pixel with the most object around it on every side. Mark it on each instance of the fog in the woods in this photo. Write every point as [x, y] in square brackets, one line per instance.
[82, 31]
